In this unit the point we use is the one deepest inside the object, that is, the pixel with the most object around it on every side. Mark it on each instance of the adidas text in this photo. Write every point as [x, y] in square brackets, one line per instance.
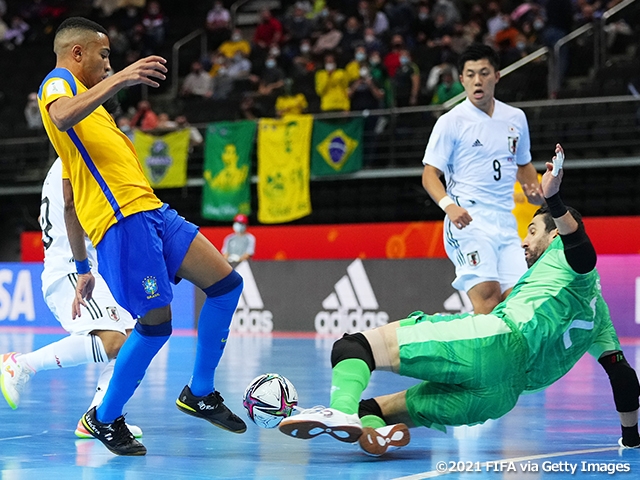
[250, 315]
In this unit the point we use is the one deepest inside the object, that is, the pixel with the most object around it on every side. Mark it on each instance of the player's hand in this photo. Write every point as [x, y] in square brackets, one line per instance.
[533, 192]
[144, 71]
[458, 216]
[551, 183]
[84, 290]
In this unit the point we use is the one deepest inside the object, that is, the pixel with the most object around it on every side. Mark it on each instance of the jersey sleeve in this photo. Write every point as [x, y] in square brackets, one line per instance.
[53, 89]
[606, 341]
[440, 146]
[523, 155]
[251, 247]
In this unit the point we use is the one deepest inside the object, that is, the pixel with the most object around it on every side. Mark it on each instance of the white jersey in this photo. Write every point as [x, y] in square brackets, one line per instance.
[58, 259]
[478, 154]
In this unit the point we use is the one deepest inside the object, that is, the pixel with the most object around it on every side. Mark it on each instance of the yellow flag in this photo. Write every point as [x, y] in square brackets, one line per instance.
[164, 158]
[283, 168]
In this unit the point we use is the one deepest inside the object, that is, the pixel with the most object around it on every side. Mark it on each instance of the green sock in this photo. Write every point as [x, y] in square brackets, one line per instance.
[372, 421]
[348, 380]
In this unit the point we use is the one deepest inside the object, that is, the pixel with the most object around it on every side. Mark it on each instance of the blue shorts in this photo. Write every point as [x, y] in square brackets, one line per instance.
[139, 258]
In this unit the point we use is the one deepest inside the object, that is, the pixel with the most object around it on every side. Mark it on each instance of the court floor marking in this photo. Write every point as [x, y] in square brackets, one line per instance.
[44, 432]
[483, 465]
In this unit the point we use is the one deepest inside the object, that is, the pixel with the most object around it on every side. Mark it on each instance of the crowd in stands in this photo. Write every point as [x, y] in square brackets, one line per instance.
[320, 55]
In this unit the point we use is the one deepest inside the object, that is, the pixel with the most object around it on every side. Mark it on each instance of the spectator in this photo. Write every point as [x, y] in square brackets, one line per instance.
[401, 17]
[497, 20]
[406, 82]
[328, 40]
[268, 31]
[144, 118]
[297, 26]
[448, 87]
[381, 77]
[218, 60]
[289, 103]
[218, 25]
[303, 71]
[239, 66]
[222, 81]
[423, 23]
[195, 137]
[351, 37]
[559, 23]
[270, 83]
[153, 22]
[118, 41]
[236, 44]
[248, 109]
[392, 59]
[364, 94]
[371, 41]
[32, 113]
[124, 124]
[240, 245]
[165, 123]
[332, 86]
[373, 18]
[197, 83]
[448, 9]
[359, 61]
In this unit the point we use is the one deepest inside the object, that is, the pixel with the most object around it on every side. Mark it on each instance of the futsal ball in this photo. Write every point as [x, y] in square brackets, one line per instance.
[269, 399]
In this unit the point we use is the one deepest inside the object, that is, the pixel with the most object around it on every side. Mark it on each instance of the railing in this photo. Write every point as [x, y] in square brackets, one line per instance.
[175, 67]
[234, 10]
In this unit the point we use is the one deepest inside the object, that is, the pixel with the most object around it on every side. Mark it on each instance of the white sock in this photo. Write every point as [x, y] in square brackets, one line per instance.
[103, 383]
[68, 352]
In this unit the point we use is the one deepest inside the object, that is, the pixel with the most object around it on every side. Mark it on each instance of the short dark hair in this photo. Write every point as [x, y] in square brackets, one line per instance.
[549, 224]
[80, 23]
[478, 51]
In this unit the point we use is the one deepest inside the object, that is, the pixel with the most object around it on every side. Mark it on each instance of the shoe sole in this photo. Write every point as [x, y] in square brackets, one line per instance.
[307, 429]
[374, 444]
[4, 389]
[87, 436]
[137, 453]
[184, 408]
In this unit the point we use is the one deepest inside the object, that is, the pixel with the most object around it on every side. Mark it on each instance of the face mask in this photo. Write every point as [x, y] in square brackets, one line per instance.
[423, 16]
[404, 60]
[222, 71]
[239, 227]
[538, 25]
[329, 66]
[304, 48]
[270, 63]
[274, 52]
[236, 37]
[364, 72]
[374, 60]
[360, 56]
[521, 46]
[369, 38]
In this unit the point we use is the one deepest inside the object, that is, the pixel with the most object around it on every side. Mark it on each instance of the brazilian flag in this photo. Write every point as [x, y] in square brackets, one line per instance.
[336, 147]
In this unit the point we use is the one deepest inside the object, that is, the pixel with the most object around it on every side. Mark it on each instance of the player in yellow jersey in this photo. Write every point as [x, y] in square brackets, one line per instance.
[142, 244]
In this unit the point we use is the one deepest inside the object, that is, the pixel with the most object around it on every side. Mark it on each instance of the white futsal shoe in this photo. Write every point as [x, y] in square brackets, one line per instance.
[315, 421]
[82, 432]
[377, 441]
[13, 378]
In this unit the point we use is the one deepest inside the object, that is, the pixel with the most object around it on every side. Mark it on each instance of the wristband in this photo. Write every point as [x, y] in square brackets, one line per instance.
[445, 202]
[83, 267]
[556, 207]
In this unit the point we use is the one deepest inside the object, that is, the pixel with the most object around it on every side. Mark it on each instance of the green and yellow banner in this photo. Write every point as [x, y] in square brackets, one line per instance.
[163, 158]
[337, 147]
[227, 160]
[283, 168]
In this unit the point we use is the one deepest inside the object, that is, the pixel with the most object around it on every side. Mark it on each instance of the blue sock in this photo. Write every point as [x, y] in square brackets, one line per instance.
[213, 330]
[133, 359]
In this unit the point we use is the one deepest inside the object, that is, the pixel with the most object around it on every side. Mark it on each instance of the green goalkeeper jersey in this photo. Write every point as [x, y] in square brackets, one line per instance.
[561, 315]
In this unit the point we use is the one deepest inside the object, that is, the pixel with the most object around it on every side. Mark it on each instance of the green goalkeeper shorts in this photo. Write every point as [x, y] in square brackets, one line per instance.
[473, 367]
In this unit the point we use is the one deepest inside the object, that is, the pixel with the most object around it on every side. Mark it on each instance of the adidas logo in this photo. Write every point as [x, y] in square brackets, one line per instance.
[250, 316]
[477, 143]
[458, 302]
[353, 306]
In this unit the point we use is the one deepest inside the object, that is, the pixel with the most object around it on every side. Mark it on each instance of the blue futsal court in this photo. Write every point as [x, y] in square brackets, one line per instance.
[573, 424]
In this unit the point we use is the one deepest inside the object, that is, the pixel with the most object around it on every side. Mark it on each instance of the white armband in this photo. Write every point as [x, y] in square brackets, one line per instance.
[445, 202]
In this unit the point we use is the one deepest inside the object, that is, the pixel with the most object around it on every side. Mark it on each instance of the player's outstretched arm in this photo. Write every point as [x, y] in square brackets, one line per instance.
[66, 112]
[458, 215]
[75, 234]
[528, 178]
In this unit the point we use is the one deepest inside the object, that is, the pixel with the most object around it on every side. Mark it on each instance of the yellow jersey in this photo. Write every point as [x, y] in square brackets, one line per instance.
[98, 159]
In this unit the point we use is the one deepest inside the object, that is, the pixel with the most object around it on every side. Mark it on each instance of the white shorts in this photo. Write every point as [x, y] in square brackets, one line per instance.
[488, 249]
[102, 311]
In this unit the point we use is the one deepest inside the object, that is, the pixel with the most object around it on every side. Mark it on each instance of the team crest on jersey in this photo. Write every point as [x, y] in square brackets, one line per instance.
[513, 144]
[473, 258]
[113, 314]
[150, 285]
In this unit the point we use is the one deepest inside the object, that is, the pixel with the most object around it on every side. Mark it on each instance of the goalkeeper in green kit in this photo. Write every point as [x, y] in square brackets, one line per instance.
[475, 367]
